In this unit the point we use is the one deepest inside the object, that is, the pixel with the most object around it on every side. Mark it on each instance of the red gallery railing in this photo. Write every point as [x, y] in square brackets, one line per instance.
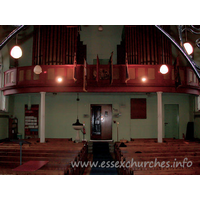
[24, 80]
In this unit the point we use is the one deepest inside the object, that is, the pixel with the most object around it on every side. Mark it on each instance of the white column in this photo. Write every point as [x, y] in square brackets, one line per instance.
[42, 118]
[160, 117]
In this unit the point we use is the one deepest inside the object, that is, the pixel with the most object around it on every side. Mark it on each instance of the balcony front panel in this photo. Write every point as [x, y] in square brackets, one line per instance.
[142, 78]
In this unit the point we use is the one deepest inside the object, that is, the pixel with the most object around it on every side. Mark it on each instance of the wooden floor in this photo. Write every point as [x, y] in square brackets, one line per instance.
[58, 152]
[147, 157]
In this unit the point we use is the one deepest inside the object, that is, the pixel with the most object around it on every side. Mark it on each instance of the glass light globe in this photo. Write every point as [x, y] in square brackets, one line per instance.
[16, 52]
[188, 47]
[164, 69]
[37, 69]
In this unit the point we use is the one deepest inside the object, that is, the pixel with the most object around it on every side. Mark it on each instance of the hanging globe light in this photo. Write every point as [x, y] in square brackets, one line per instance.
[16, 52]
[37, 69]
[164, 69]
[188, 47]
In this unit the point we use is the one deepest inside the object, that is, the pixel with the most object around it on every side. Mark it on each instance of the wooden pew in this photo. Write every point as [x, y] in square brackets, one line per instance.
[62, 168]
[160, 163]
[148, 150]
[60, 153]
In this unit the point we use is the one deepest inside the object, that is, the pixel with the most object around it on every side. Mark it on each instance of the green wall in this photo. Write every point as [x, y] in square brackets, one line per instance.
[61, 113]
[5, 58]
[4, 122]
[26, 44]
[101, 42]
[185, 110]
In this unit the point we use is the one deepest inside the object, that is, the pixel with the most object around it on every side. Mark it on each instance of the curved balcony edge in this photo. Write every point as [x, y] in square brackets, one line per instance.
[23, 80]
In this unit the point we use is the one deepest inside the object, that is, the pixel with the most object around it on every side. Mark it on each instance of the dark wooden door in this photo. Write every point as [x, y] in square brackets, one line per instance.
[101, 122]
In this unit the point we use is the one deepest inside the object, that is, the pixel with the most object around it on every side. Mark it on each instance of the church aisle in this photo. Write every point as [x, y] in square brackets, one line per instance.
[101, 155]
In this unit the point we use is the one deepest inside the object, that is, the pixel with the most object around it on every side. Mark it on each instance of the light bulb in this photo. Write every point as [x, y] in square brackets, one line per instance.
[188, 47]
[59, 79]
[16, 52]
[144, 79]
[164, 69]
[100, 28]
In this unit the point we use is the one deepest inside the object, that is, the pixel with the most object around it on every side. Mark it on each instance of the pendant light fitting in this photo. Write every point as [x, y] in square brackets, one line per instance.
[16, 51]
